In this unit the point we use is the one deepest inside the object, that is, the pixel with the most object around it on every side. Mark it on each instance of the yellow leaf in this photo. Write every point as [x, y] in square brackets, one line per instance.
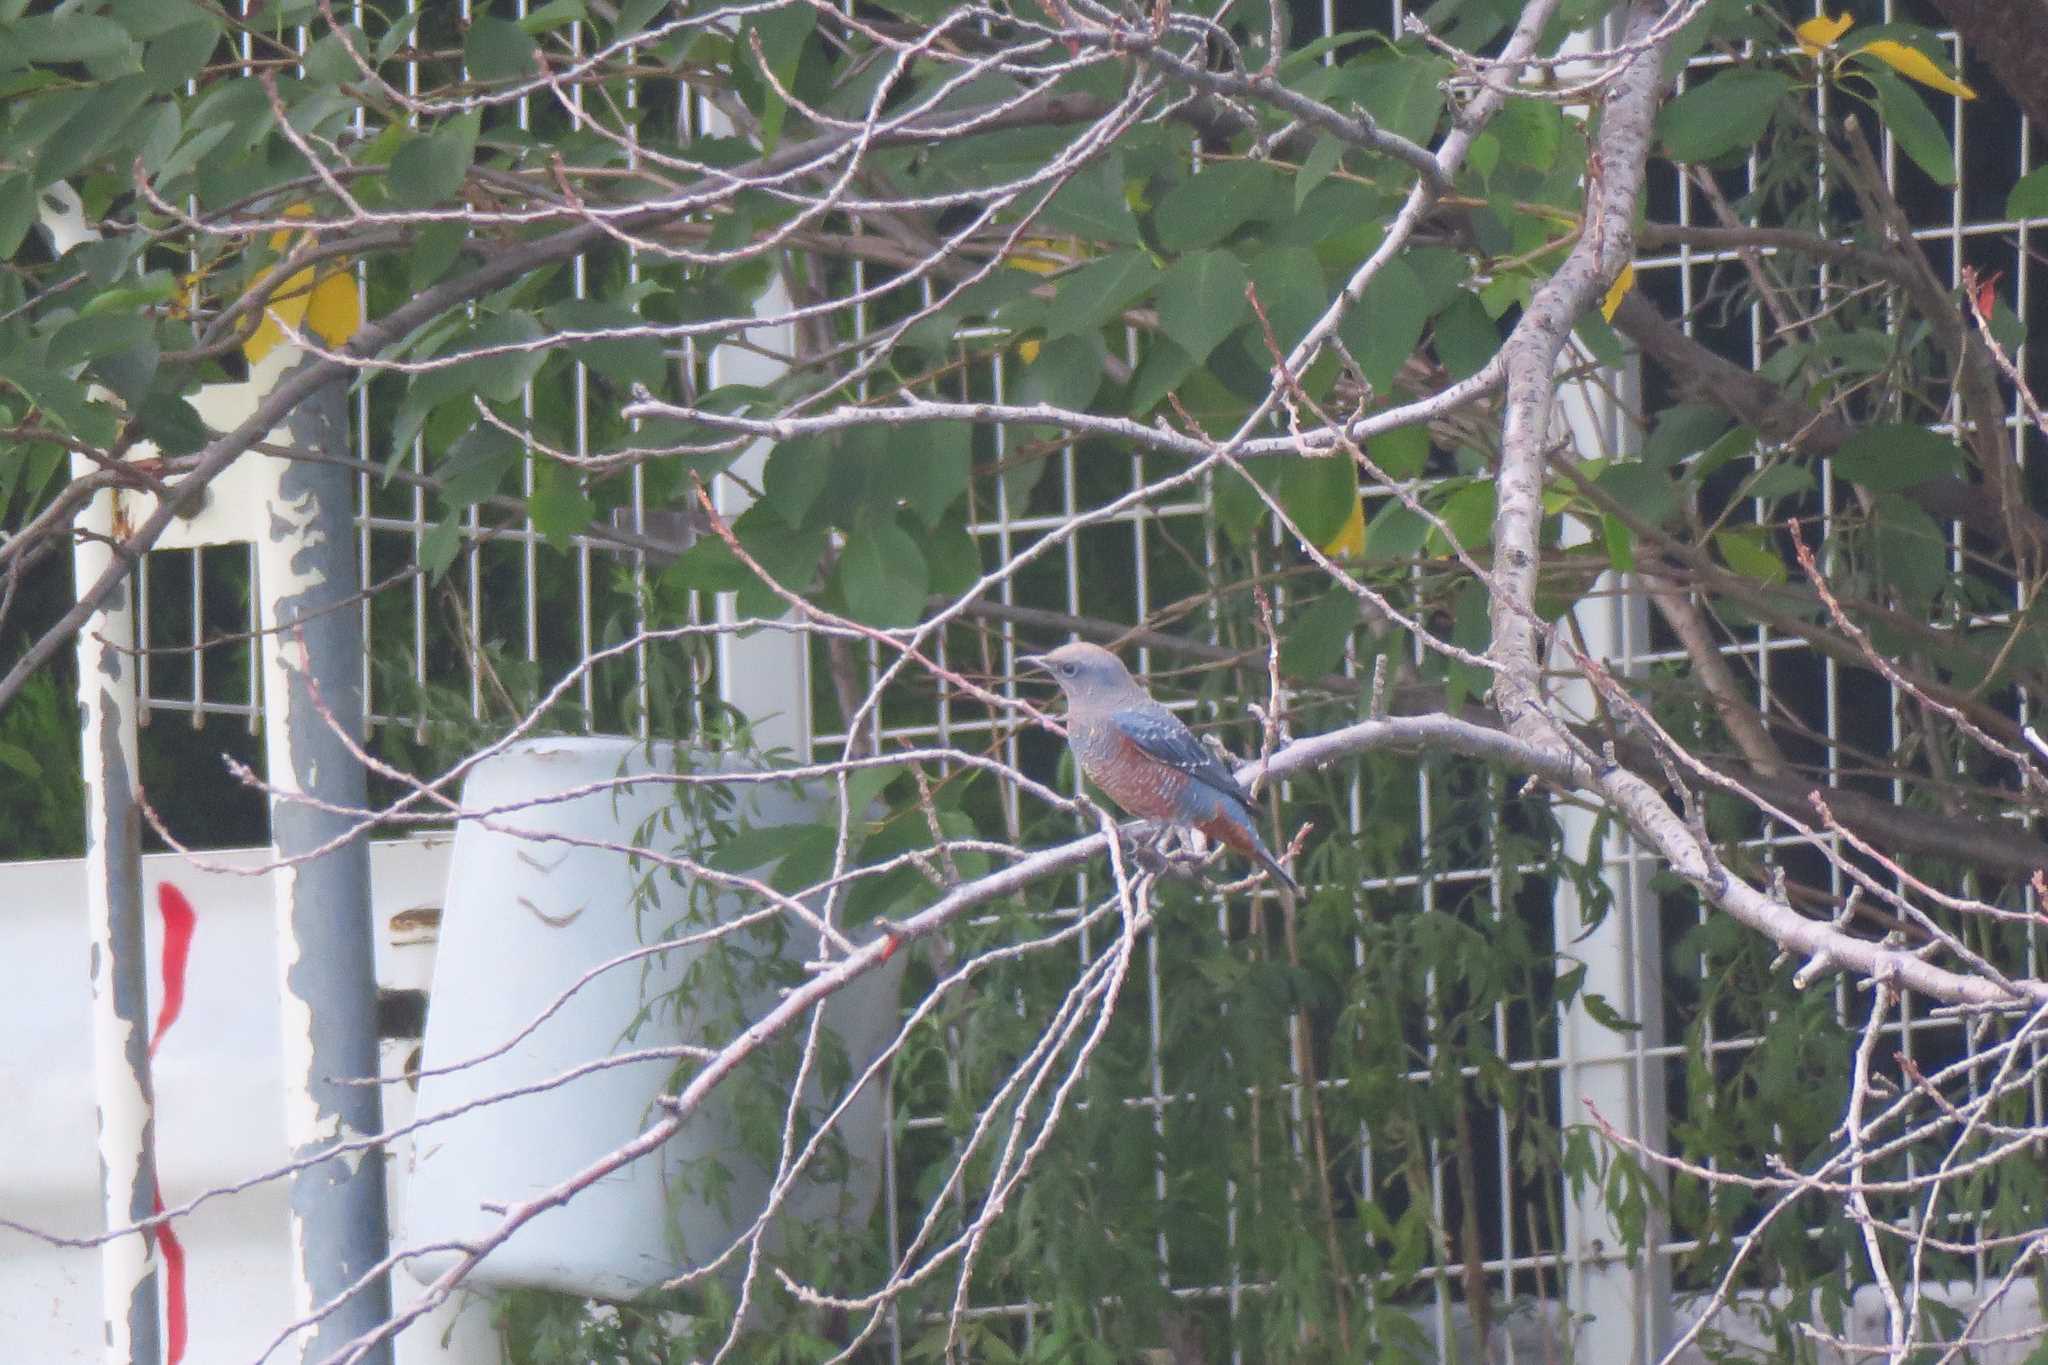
[326, 302]
[1915, 65]
[1028, 350]
[334, 312]
[1351, 540]
[286, 306]
[1617, 291]
[1821, 32]
[281, 238]
[1044, 255]
[187, 296]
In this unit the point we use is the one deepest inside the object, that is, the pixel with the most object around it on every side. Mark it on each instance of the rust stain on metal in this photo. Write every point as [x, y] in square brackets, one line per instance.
[420, 924]
[552, 921]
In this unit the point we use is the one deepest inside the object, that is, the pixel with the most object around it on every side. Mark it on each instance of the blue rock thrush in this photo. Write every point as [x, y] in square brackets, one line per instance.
[1149, 763]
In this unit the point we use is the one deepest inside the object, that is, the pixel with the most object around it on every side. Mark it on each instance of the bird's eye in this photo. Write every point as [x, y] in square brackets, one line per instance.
[1066, 670]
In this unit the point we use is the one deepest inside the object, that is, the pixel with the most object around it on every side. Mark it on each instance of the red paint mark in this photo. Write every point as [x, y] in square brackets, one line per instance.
[179, 921]
[178, 924]
[174, 1288]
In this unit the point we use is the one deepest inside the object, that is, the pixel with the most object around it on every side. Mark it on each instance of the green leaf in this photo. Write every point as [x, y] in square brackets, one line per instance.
[2029, 198]
[1213, 203]
[1621, 543]
[1779, 480]
[1717, 116]
[1737, 443]
[1092, 206]
[1401, 453]
[65, 37]
[1324, 157]
[1291, 290]
[882, 573]
[1529, 132]
[426, 171]
[627, 359]
[475, 464]
[1384, 329]
[555, 14]
[1605, 1015]
[1396, 531]
[707, 566]
[1238, 507]
[783, 31]
[1092, 295]
[21, 761]
[96, 335]
[1315, 636]
[1748, 550]
[1466, 338]
[1912, 550]
[1894, 456]
[1066, 374]
[795, 475]
[1913, 125]
[954, 557]
[1201, 301]
[177, 55]
[790, 558]
[439, 547]
[128, 371]
[1642, 488]
[559, 507]
[752, 851]
[17, 211]
[942, 456]
[173, 424]
[435, 247]
[1401, 89]
[499, 50]
[1681, 431]
[1468, 514]
[1318, 495]
[328, 62]
[499, 378]
[60, 398]
[106, 118]
[1164, 367]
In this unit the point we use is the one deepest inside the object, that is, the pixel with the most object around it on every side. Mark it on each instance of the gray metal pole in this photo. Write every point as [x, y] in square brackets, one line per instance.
[306, 572]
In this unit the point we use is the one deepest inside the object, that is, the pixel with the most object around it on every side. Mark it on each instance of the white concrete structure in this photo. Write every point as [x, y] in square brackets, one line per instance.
[218, 1073]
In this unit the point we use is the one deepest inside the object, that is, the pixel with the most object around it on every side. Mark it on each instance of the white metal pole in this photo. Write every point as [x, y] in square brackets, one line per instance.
[120, 971]
[1623, 1303]
[107, 703]
[765, 676]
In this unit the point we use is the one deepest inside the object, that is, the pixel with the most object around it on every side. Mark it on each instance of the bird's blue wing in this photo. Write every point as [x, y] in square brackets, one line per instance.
[1161, 735]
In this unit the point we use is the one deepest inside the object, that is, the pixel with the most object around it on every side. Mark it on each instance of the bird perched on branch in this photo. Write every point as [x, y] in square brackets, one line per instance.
[1149, 763]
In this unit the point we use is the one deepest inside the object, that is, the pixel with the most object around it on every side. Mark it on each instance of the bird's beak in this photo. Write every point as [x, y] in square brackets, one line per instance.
[1034, 661]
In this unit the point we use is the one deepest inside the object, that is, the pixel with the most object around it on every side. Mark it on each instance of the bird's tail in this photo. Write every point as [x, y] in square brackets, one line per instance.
[1281, 874]
[1241, 835]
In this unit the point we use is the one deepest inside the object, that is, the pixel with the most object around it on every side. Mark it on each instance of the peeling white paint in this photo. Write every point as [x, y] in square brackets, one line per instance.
[120, 1013]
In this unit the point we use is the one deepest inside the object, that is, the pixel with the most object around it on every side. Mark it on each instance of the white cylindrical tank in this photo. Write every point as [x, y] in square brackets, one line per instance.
[527, 916]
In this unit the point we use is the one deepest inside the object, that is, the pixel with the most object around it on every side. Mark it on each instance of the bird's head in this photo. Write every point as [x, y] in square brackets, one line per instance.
[1083, 671]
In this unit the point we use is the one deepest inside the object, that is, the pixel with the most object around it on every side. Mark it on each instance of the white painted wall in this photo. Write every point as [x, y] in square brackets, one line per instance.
[219, 1116]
